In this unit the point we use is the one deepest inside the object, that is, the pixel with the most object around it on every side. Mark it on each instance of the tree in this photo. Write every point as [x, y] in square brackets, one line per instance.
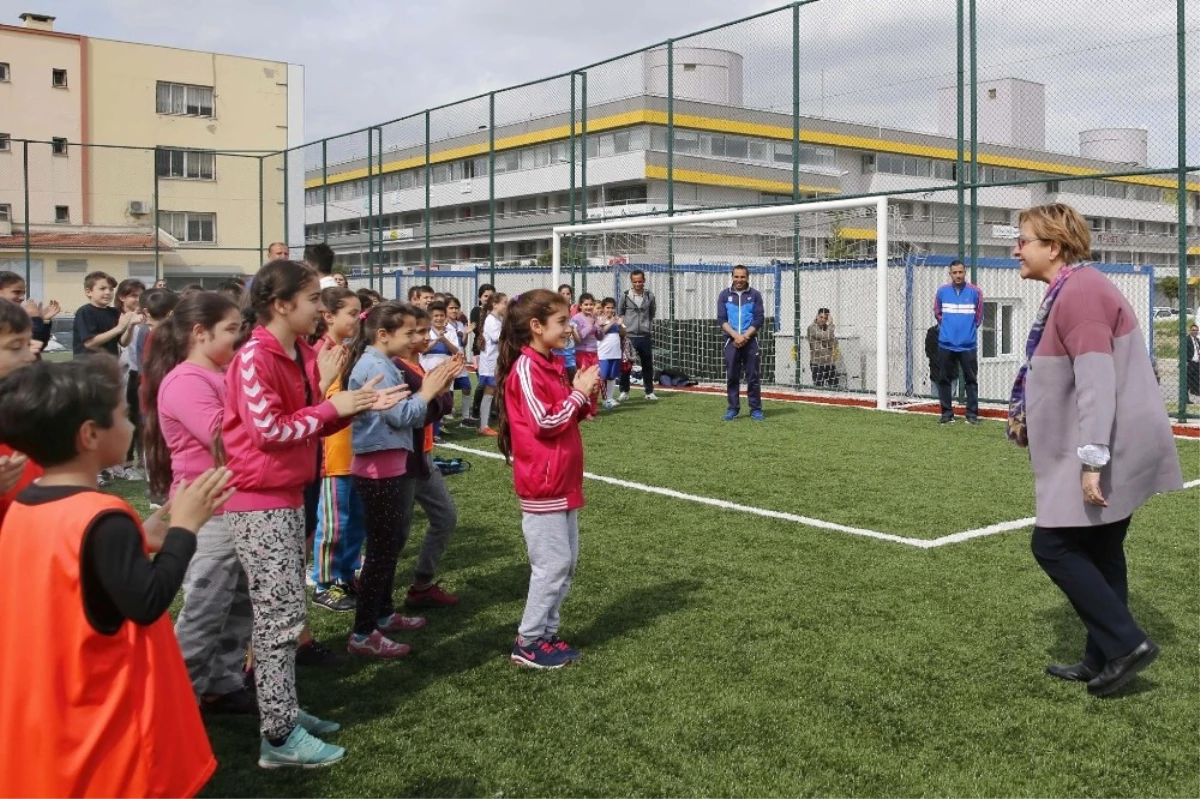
[839, 247]
[571, 256]
[1169, 286]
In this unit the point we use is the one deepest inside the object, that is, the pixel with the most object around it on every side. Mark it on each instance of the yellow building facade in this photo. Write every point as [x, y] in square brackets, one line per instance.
[138, 134]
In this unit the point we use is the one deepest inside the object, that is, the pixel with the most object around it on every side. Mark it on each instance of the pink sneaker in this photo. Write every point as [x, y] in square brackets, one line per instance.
[401, 624]
[376, 645]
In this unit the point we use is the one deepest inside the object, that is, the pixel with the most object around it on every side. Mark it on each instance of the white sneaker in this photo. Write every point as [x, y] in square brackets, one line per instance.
[624, 395]
[650, 397]
[609, 405]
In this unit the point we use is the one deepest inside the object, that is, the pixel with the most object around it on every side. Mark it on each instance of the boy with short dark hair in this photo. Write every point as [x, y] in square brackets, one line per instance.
[420, 296]
[93, 603]
[13, 288]
[99, 327]
[320, 257]
[16, 352]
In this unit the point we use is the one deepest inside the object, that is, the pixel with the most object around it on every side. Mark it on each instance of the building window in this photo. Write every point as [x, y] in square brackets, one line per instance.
[181, 99]
[5, 212]
[142, 269]
[72, 265]
[58, 78]
[58, 146]
[627, 194]
[189, 226]
[189, 164]
[5, 142]
[62, 213]
[4, 72]
[997, 328]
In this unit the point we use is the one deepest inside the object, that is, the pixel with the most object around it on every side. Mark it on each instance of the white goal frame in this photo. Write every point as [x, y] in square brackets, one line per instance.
[692, 217]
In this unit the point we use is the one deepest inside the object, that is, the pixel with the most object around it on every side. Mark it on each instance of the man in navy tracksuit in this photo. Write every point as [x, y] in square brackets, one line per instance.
[740, 313]
[959, 311]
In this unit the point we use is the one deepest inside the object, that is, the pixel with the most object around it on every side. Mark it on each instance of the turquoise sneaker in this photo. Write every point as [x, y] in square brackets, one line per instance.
[300, 750]
[315, 725]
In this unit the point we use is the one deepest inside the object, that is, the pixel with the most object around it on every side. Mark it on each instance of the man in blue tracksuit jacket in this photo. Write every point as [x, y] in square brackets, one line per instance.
[740, 314]
[959, 311]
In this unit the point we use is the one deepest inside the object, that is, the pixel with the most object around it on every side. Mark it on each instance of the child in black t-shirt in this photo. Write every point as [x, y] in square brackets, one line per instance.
[99, 327]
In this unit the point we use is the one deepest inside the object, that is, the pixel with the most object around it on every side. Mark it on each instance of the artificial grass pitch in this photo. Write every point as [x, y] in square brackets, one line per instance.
[730, 654]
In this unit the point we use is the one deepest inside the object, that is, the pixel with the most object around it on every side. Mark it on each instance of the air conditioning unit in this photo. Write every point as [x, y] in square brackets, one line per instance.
[5, 227]
[138, 208]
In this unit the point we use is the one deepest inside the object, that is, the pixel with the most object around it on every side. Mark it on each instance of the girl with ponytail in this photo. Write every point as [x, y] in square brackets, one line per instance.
[185, 406]
[539, 435]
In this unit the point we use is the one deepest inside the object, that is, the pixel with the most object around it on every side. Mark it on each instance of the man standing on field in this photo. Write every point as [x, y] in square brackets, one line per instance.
[638, 308]
[741, 315]
[959, 311]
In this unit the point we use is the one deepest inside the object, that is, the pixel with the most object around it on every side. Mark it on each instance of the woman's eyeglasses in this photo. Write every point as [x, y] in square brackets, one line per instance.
[1022, 241]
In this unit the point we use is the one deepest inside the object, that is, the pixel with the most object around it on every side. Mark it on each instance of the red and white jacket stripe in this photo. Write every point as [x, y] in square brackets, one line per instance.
[543, 418]
[271, 433]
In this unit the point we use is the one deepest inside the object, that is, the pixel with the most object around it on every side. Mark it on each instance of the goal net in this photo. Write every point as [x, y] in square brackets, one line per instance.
[834, 278]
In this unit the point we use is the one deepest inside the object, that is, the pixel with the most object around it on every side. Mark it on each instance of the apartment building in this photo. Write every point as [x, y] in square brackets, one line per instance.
[105, 138]
[726, 155]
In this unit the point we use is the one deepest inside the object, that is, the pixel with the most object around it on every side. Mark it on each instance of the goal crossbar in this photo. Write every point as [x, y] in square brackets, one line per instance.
[693, 217]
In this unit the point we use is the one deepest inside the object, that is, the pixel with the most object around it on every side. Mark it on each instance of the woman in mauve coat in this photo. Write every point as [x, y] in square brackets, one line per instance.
[1088, 407]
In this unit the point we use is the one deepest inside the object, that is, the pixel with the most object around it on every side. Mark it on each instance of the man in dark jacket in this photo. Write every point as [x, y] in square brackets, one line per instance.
[638, 309]
[1193, 360]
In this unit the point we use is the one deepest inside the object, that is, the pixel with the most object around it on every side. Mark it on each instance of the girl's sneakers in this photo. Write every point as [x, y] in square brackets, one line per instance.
[541, 654]
[376, 645]
[487, 431]
[401, 624]
[431, 596]
[300, 750]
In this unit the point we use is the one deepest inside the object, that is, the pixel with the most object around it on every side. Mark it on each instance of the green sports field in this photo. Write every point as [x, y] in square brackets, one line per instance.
[730, 652]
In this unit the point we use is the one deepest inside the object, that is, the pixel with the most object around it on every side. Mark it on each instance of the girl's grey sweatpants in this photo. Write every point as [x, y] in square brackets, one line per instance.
[552, 540]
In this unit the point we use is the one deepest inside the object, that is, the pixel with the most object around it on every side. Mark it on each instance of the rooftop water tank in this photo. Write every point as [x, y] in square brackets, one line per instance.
[701, 73]
[1119, 145]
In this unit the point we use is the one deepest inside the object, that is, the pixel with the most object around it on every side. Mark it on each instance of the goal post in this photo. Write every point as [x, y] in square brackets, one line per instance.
[693, 218]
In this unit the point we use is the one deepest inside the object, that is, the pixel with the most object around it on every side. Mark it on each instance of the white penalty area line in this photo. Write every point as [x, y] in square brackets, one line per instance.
[821, 524]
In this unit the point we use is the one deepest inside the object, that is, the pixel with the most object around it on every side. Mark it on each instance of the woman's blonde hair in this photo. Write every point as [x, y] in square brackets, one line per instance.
[1060, 224]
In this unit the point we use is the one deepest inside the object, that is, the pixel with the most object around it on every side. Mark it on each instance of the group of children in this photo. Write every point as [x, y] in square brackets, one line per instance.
[243, 415]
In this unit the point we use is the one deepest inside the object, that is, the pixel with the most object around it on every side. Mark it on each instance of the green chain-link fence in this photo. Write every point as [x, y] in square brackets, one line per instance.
[962, 113]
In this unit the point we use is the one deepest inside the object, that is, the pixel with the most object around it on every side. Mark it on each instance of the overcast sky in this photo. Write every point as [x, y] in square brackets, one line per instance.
[1104, 62]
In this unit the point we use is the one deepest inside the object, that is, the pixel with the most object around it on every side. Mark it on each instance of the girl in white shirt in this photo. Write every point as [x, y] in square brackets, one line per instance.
[493, 313]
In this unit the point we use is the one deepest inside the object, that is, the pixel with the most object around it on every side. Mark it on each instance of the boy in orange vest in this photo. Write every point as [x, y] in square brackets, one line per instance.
[105, 708]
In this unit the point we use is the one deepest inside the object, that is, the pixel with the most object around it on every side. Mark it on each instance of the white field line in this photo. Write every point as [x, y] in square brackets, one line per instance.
[1004, 527]
[904, 408]
[920, 543]
[723, 504]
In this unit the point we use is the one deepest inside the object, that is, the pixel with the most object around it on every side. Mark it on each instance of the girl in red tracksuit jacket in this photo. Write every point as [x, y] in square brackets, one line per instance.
[539, 435]
[273, 423]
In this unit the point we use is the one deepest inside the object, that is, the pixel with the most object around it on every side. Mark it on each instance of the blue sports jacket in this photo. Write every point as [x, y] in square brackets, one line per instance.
[741, 310]
[959, 313]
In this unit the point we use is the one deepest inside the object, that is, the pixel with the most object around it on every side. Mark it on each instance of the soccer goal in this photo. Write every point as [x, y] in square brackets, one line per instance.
[835, 255]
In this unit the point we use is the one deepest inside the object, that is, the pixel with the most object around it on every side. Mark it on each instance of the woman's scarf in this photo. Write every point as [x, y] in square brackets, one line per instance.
[1017, 432]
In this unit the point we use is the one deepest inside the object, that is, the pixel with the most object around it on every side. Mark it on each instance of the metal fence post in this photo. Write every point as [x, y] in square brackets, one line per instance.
[262, 233]
[671, 195]
[325, 190]
[959, 175]
[795, 195]
[583, 185]
[370, 208]
[157, 222]
[379, 234]
[428, 178]
[571, 200]
[1181, 201]
[492, 188]
[286, 239]
[974, 146]
[25, 181]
